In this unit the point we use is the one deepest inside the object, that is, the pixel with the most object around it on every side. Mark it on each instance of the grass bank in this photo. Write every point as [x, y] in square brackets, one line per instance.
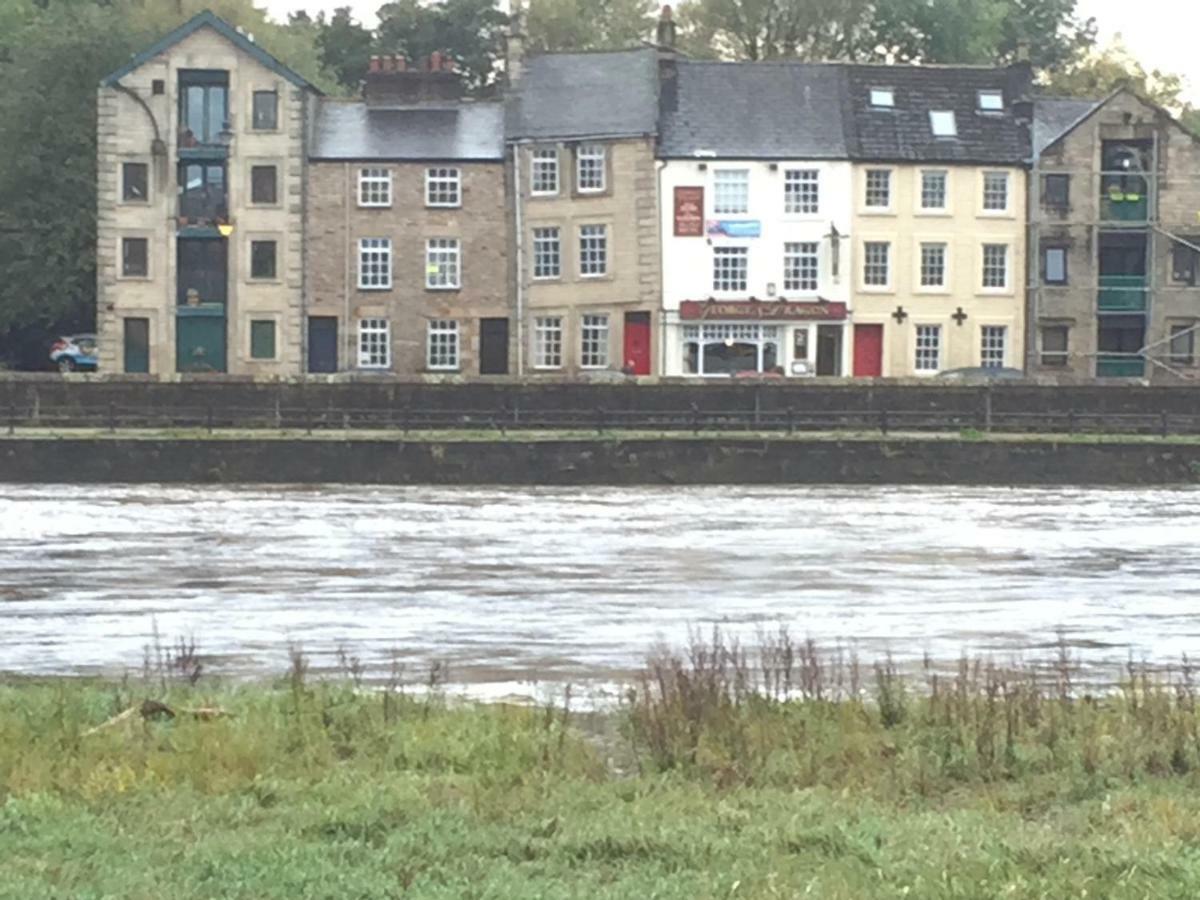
[726, 773]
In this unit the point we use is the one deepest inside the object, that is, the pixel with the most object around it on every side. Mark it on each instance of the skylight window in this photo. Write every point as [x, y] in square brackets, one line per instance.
[883, 97]
[991, 101]
[943, 124]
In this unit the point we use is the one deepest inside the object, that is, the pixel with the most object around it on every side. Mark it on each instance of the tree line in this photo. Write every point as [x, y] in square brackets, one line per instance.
[54, 52]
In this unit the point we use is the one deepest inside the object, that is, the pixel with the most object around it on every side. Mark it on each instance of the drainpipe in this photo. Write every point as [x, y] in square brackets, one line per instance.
[348, 262]
[520, 250]
[660, 166]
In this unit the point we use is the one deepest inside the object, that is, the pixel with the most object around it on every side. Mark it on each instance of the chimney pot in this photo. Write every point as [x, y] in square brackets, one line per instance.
[375, 64]
[401, 63]
[666, 12]
[435, 61]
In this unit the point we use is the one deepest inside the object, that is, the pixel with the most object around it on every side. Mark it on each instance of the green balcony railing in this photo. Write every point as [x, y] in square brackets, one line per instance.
[1124, 206]
[1120, 366]
[1122, 293]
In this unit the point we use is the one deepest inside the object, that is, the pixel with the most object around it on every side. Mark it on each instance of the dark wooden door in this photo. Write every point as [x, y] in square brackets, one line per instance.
[137, 345]
[829, 349]
[322, 344]
[637, 342]
[868, 351]
[493, 346]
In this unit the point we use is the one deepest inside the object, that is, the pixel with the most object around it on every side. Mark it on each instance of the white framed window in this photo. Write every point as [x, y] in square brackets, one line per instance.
[731, 267]
[929, 348]
[933, 265]
[883, 97]
[800, 266]
[995, 191]
[374, 264]
[547, 342]
[374, 344]
[877, 258]
[442, 264]
[993, 344]
[801, 192]
[593, 351]
[991, 101]
[441, 343]
[731, 192]
[443, 187]
[543, 172]
[942, 123]
[590, 164]
[995, 266]
[933, 189]
[547, 252]
[593, 251]
[726, 348]
[374, 187]
[879, 189]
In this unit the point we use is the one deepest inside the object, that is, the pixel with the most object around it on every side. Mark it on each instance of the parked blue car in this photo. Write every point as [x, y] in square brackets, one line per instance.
[75, 353]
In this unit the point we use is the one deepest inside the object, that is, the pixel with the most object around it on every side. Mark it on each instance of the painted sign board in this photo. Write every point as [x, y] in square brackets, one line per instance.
[735, 228]
[689, 212]
[761, 310]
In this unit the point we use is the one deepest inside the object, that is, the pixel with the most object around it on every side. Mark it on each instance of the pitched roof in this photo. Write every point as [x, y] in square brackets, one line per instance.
[904, 133]
[207, 19]
[1055, 116]
[351, 130]
[576, 95]
[754, 110]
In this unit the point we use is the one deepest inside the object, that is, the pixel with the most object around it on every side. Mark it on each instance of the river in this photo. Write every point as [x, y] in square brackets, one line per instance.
[519, 589]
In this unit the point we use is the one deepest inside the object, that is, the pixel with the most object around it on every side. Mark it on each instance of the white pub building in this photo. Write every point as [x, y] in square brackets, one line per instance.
[755, 187]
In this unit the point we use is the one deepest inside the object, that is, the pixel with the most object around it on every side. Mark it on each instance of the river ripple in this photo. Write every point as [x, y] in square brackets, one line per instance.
[513, 587]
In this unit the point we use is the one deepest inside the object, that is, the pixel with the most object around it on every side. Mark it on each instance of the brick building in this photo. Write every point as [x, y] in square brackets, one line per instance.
[201, 158]
[1114, 236]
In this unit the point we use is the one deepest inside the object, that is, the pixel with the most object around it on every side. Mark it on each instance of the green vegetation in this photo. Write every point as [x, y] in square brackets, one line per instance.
[721, 774]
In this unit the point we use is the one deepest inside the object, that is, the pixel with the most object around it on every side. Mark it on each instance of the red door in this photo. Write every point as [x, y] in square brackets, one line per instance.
[637, 342]
[868, 351]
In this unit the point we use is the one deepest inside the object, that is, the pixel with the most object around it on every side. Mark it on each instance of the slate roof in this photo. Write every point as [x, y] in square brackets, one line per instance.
[576, 95]
[1054, 116]
[353, 131]
[780, 110]
[904, 134]
[207, 19]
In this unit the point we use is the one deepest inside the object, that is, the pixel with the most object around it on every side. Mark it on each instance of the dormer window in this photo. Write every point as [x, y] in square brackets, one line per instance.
[943, 124]
[883, 98]
[991, 101]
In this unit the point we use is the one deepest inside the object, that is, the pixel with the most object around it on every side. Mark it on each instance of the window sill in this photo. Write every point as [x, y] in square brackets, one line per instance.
[443, 205]
[933, 213]
[135, 278]
[274, 205]
[876, 289]
[374, 206]
[605, 276]
[263, 281]
[543, 195]
[443, 370]
[375, 289]
[876, 211]
[995, 214]
[930, 291]
[546, 279]
[548, 368]
[447, 289]
[145, 204]
[995, 292]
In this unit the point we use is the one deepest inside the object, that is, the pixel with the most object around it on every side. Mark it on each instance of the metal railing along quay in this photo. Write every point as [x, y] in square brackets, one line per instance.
[312, 419]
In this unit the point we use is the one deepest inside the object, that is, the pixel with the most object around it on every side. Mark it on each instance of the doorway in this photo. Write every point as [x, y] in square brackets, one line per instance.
[637, 343]
[322, 344]
[137, 346]
[829, 350]
[868, 351]
[493, 346]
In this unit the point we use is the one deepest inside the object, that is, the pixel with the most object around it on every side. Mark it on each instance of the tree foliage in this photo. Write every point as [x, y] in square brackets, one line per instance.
[470, 31]
[589, 24]
[1102, 71]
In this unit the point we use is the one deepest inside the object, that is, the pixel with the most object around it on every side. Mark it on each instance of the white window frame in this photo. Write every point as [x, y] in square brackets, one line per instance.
[984, 97]
[984, 198]
[374, 187]
[867, 285]
[944, 174]
[542, 254]
[984, 268]
[443, 187]
[943, 123]
[721, 273]
[374, 343]
[544, 167]
[731, 192]
[883, 98]
[443, 264]
[886, 174]
[922, 345]
[593, 250]
[802, 192]
[381, 251]
[704, 334]
[594, 341]
[993, 346]
[801, 267]
[940, 286]
[591, 158]
[442, 345]
[548, 342]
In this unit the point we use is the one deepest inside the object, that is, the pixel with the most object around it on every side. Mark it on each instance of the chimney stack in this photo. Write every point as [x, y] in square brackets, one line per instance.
[514, 44]
[665, 33]
[431, 82]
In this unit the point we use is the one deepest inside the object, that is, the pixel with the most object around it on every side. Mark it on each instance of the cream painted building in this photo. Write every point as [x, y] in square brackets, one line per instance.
[201, 159]
[938, 218]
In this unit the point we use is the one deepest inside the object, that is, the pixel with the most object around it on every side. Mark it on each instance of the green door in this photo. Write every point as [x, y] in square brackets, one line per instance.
[137, 345]
[200, 338]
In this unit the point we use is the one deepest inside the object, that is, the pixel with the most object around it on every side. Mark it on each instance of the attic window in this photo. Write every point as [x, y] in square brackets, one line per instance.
[883, 97]
[991, 101]
[943, 124]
